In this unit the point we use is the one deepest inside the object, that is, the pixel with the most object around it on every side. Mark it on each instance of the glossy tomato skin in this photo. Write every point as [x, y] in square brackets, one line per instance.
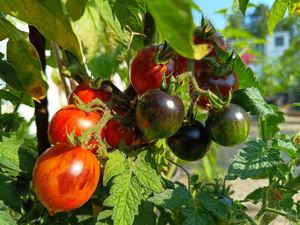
[69, 119]
[87, 94]
[145, 74]
[159, 115]
[191, 142]
[228, 126]
[116, 133]
[65, 177]
[207, 81]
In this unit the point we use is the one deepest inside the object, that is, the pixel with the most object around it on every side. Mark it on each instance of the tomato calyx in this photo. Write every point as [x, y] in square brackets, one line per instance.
[163, 53]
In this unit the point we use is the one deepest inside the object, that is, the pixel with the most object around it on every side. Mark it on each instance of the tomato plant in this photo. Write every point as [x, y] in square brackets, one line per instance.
[112, 61]
[65, 177]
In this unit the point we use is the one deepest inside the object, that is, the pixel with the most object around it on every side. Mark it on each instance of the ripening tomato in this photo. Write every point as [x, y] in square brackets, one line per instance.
[144, 72]
[117, 133]
[207, 81]
[87, 94]
[69, 119]
[65, 177]
[159, 115]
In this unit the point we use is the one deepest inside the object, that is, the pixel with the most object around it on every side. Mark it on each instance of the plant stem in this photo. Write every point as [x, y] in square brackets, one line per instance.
[281, 213]
[263, 129]
[41, 109]
[185, 170]
[172, 169]
[59, 61]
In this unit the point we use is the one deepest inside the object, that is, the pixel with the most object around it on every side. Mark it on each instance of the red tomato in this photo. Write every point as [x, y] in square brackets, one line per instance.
[65, 177]
[218, 85]
[116, 133]
[177, 66]
[69, 119]
[144, 73]
[87, 94]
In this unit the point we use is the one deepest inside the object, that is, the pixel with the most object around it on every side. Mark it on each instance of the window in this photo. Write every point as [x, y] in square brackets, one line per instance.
[279, 41]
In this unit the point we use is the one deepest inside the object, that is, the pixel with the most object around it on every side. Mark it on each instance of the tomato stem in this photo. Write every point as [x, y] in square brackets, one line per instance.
[59, 61]
[186, 172]
[1, 139]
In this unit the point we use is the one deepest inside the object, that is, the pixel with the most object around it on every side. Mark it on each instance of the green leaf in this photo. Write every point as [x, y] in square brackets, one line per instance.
[89, 28]
[246, 76]
[294, 8]
[195, 216]
[256, 196]
[285, 146]
[112, 21]
[174, 20]
[9, 194]
[172, 198]
[130, 18]
[146, 215]
[252, 161]
[9, 75]
[49, 17]
[115, 165]
[276, 14]
[75, 8]
[243, 5]
[104, 218]
[251, 100]
[125, 198]
[24, 63]
[103, 66]
[212, 205]
[5, 217]
[16, 97]
[146, 174]
[9, 153]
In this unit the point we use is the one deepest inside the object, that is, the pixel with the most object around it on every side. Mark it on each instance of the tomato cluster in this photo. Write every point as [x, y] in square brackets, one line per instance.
[67, 174]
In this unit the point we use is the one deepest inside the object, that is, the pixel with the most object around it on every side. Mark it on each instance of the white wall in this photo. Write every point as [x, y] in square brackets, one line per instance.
[273, 50]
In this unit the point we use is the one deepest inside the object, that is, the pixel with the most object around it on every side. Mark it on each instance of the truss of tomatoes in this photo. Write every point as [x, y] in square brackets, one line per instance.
[66, 175]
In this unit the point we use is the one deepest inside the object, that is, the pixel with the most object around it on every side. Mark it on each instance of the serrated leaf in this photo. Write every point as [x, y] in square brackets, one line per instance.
[246, 76]
[89, 28]
[115, 165]
[5, 217]
[9, 153]
[256, 196]
[125, 198]
[276, 14]
[146, 174]
[169, 14]
[112, 21]
[172, 198]
[23, 63]
[49, 17]
[285, 146]
[243, 5]
[252, 161]
[212, 205]
[75, 8]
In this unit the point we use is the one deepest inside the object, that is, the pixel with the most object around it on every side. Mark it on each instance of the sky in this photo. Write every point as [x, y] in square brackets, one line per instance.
[210, 6]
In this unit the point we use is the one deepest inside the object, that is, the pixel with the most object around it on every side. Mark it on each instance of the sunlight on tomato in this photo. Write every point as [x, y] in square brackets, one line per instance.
[65, 177]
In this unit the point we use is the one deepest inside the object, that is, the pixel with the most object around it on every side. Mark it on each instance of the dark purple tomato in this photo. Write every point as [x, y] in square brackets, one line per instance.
[191, 142]
[159, 115]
